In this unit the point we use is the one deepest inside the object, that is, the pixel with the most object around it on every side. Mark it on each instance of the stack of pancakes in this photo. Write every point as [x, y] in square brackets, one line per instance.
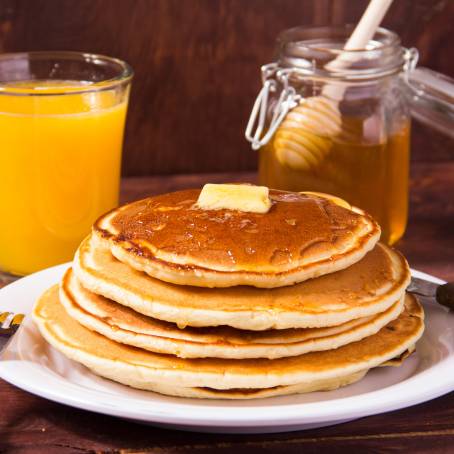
[169, 297]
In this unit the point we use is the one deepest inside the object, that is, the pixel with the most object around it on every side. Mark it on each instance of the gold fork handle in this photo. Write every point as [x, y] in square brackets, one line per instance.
[9, 323]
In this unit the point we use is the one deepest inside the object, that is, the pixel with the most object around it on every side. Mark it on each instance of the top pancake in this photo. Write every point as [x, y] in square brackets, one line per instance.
[301, 237]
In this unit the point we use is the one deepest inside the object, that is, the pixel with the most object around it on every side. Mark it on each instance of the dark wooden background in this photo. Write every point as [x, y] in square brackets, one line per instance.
[197, 65]
[197, 74]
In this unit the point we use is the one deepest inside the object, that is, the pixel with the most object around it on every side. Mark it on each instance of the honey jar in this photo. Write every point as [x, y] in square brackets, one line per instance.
[336, 121]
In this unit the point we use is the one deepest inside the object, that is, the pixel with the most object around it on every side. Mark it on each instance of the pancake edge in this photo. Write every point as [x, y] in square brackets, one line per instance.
[122, 371]
[249, 320]
[192, 349]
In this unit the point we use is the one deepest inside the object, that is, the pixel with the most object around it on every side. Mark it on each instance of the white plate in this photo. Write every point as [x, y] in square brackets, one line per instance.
[31, 364]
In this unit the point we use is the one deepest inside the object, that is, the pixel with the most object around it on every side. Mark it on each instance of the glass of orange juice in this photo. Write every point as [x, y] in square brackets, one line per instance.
[62, 117]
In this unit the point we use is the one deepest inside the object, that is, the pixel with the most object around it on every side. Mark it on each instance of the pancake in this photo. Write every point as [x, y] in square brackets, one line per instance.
[398, 360]
[368, 287]
[301, 237]
[146, 370]
[124, 325]
[258, 393]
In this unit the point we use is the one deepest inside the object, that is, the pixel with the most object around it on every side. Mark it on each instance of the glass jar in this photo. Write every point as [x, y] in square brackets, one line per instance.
[338, 122]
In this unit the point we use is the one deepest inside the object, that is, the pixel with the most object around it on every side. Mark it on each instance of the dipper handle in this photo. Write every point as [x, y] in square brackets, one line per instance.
[363, 33]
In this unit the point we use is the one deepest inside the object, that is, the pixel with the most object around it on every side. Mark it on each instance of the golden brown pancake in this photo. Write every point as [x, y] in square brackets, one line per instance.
[146, 370]
[301, 237]
[368, 287]
[124, 325]
[259, 393]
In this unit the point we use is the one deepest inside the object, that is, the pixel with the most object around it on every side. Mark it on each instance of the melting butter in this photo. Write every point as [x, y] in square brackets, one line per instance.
[241, 197]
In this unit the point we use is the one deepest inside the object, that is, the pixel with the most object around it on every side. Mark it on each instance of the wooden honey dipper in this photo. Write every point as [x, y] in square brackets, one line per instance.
[303, 139]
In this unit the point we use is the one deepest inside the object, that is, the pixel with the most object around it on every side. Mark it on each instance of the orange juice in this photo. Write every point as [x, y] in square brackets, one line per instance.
[60, 159]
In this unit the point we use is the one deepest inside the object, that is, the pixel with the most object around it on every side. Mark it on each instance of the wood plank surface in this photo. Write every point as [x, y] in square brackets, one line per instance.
[197, 65]
[31, 424]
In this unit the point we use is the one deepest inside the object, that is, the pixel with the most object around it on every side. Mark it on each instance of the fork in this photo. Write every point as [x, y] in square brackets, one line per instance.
[9, 323]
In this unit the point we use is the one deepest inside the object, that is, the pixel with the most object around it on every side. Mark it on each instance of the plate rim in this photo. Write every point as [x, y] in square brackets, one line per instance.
[176, 413]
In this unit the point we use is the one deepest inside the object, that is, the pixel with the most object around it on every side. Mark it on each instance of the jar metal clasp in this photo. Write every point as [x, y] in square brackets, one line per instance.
[411, 57]
[272, 76]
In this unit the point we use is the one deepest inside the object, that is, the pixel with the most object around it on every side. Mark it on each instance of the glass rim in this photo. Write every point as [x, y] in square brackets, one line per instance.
[125, 74]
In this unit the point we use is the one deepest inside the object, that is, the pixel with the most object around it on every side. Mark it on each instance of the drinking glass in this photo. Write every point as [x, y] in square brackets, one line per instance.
[62, 117]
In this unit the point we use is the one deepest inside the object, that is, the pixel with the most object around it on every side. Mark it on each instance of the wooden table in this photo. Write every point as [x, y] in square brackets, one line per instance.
[32, 424]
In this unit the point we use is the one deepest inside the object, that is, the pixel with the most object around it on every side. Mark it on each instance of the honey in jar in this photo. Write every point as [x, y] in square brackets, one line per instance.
[343, 130]
[373, 176]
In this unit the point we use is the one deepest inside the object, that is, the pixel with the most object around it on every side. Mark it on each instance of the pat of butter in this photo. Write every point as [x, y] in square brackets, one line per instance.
[241, 197]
